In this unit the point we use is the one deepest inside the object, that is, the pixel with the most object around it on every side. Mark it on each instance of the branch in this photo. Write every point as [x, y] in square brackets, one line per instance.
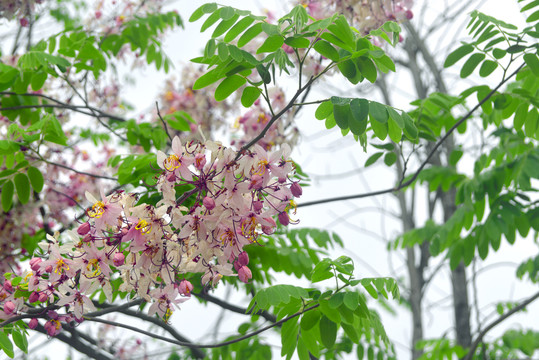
[203, 346]
[197, 353]
[280, 113]
[76, 344]
[228, 306]
[493, 324]
[61, 104]
[425, 162]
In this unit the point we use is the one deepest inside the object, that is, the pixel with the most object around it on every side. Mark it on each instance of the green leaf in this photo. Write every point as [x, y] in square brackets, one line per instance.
[470, 64]
[394, 131]
[204, 9]
[328, 332]
[348, 69]
[378, 112]
[360, 112]
[228, 86]
[227, 13]
[222, 51]
[7, 195]
[323, 110]
[225, 24]
[390, 158]
[310, 319]
[250, 34]
[6, 344]
[533, 63]
[367, 68]
[207, 79]
[238, 28]
[373, 158]
[36, 178]
[379, 129]
[212, 19]
[327, 50]
[351, 300]
[513, 49]
[533, 17]
[487, 67]
[342, 115]
[297, 42]
[271, 44]
[249, 96]
[458, 54]
[20, 340]
[264, 73]
[38, 79]
[22, 184]
[499, 53]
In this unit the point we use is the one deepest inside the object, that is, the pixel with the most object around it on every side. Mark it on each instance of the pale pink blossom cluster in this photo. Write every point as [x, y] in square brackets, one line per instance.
[209, 114]
[257, 117]
[232, 201]
[365, 15]
[19, 9]
[110, 15]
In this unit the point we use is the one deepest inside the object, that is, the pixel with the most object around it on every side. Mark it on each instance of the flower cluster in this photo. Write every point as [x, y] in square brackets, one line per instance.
[233, 200]
[366, 15]
[252, 122]
[207, 113]
[18, 8]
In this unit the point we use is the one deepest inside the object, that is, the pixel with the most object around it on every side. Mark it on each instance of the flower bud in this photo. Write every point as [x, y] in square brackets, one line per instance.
[83, 229]
[281, 180]
[34, 296]
[185, 288]
[7, 286]
[52, 314]
[237, 265]
[243, 258]
[258, 205]
[409, 14]
[245, 274]
[268, 230]
[43, 297]
[9, 307]
[283, 218]
[34, 264]
[48, 269]
[119, 259]
[296, 190]
[87, 238]
[209, 203]
[33, 323]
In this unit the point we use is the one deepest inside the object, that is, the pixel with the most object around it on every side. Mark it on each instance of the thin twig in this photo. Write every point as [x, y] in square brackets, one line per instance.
[202, 346]
[493, 324]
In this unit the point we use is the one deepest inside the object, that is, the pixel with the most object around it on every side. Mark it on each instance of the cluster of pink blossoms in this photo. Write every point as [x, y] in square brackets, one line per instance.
[18, 8]
[252, 122]
[366, 15]
[208, 113]
[151, 248]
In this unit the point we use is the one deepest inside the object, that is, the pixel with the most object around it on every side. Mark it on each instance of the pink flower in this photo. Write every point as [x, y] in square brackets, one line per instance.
[185, 288]
[244, 273]
[32, 324]
[243, 258]
[9, 307]
[118, 259]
